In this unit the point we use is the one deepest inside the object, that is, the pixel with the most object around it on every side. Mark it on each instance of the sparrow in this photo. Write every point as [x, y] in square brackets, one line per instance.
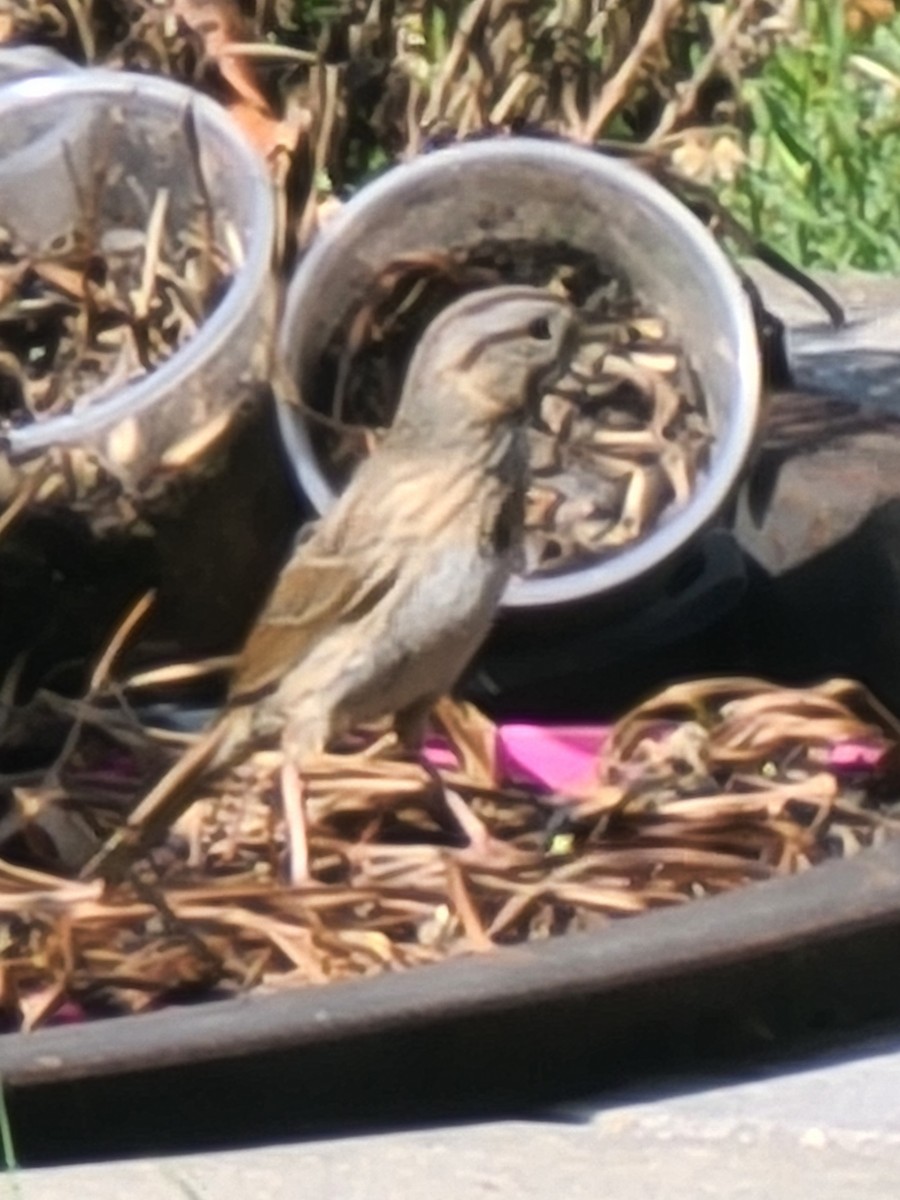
[386, 598]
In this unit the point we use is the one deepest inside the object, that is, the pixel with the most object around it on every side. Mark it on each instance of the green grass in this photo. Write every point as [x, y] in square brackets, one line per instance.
[822, 184]
[7, 1146]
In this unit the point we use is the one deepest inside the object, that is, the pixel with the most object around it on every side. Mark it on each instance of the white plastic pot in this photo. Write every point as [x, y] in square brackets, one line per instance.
[53, 130]
[518, 188]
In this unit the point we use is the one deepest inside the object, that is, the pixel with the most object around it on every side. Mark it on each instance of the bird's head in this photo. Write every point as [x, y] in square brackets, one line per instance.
[489, 355]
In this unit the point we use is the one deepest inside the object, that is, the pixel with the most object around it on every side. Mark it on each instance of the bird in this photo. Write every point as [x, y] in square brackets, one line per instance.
[385, 598]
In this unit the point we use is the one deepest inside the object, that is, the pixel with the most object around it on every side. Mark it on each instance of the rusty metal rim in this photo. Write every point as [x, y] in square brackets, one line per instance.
[831, 901]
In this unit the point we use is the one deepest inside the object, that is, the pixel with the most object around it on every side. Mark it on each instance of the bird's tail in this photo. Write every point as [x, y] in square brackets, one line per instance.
[162, 804]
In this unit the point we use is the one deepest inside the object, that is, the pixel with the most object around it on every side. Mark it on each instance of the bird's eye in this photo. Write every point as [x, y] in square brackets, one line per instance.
[540, 329]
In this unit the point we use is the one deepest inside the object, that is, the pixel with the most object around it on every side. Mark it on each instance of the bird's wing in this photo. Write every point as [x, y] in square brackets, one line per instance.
[315, 592]
[348, 563]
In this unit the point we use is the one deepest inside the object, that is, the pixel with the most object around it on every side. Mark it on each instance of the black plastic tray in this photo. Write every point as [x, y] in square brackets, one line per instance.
[740, 973]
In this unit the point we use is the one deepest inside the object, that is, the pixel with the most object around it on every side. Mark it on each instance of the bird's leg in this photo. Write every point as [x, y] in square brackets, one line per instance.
[406, 735]
[304, 737]
[411, 724]
[292, 800]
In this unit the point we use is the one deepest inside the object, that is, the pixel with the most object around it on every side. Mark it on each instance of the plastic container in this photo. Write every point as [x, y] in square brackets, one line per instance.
[165, 480]
[527, 188]
[58, 134]
[20, 62]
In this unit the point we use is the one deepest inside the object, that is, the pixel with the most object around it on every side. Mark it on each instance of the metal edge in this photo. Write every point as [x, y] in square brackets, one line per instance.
[827, 903]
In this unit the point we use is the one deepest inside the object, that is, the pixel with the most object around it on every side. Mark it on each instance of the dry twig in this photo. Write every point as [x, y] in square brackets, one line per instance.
[704, 788]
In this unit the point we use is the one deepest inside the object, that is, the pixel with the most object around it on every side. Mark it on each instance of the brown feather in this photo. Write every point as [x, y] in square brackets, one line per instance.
[386, 599]
[308, 596]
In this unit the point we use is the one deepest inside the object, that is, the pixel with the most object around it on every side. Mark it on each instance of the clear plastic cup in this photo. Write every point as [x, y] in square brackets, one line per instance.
[57, 133]
[535, 189]
[20, 62]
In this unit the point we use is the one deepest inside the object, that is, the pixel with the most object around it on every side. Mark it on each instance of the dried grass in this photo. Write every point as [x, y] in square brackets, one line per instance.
[383, 865]
[705, 788]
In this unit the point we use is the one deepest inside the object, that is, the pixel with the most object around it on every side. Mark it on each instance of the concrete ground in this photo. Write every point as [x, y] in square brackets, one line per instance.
[826, 1127]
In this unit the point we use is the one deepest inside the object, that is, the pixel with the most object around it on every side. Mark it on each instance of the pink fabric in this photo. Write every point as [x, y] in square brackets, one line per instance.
[551, 758]
[564, 758]
[856, 756]
[555, 758]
